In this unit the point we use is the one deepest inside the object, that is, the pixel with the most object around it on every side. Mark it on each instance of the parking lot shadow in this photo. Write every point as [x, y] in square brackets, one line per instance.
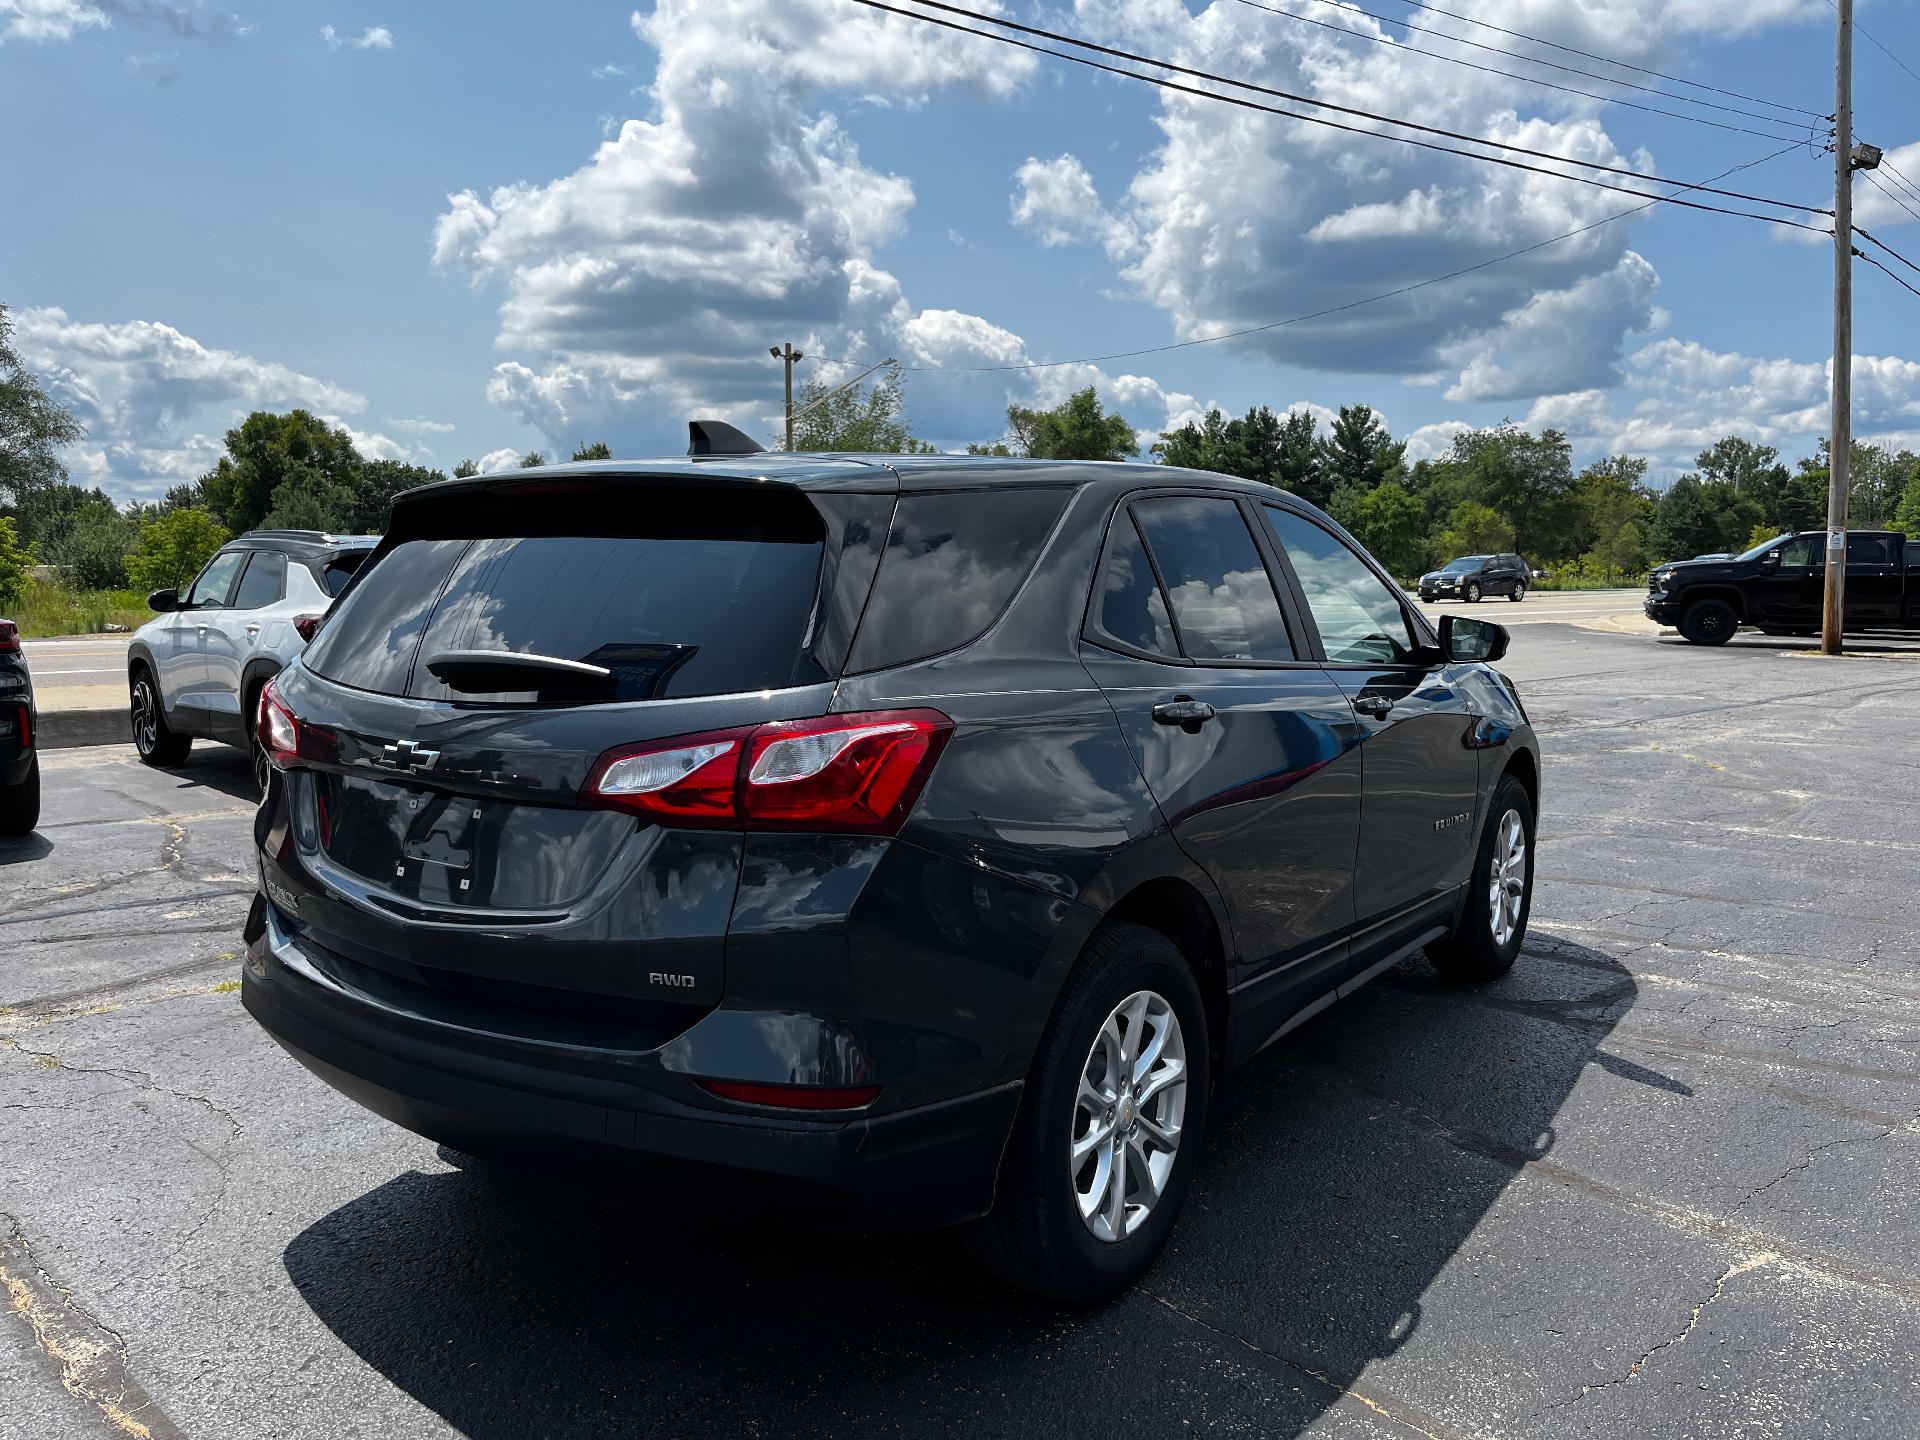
[1345, 1168]
[18, 849]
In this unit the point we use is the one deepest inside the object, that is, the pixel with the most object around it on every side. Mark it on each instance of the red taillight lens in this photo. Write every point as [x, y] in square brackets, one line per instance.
[689, 779]
[285, 738]
[857, 774]
[26, 728]
[793, 1097]
[9, 638]
[305, 625]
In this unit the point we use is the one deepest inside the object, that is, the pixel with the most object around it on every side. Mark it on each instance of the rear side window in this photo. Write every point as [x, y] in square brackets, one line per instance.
[1870, 550]
[951, 564]
[1224, 606]
[265, 582]
[335, 574]
[1128, 605]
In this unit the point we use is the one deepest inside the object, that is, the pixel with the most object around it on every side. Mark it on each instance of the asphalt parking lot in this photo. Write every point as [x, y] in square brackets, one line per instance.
[1659, 1182]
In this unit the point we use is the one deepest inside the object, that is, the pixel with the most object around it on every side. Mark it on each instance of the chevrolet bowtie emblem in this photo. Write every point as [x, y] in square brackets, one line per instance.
[405, 755]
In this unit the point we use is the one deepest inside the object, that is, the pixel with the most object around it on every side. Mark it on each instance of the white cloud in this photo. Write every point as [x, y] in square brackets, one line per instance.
[1429, 442]
[1680, 397]
[374, 37]
[504, 458]
[1882, 201]
[648, 283]
[154, 400]
[1057, 201]
[49, 19]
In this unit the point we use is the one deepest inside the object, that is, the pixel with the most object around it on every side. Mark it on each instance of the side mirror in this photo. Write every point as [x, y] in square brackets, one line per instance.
[1464, 641]
[1770, 560]
[164, 600]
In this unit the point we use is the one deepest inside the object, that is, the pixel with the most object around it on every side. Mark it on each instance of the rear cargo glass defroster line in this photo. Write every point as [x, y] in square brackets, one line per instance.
[708, 604]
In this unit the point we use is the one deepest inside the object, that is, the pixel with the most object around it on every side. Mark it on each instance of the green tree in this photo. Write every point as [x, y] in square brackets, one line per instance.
[33, 426]
[15, 561]
[1752, 470]
[1358, 452]
[92, 554]
[1078, 428]
[857, 420]
[1475, 529]
[173, 547]
[1619, 554]
[1684, 524]
[1608, 495]
[1906, 515]
[47, 514]
[1527, 480]
[1387, 520]
[596, 451]
[373, 491]
[466, 470]
[271, 460]
[1274, 450]
[532, 460]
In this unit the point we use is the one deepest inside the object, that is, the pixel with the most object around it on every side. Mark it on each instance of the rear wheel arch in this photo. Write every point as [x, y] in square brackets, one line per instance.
[252, 680]
[1177, 909]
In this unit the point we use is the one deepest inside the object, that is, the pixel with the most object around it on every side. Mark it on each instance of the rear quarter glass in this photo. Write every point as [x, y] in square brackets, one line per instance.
[953, 560]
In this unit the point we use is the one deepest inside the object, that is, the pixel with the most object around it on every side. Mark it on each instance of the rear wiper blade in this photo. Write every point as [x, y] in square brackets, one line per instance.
[490, 671]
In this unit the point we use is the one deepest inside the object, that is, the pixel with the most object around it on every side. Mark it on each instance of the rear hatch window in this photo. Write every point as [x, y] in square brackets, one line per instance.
[718, 597]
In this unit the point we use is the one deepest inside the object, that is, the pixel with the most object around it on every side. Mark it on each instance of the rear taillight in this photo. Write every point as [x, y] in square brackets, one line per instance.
[305, 625]
[26, 728]
[856, 774]
[287, 739]
[9, 638]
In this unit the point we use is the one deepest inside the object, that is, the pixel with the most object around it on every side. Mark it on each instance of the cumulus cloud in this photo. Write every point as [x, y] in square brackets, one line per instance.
[374, 37]
[156, 401]
[53, 20]
[1239, 219]
[1680, 396]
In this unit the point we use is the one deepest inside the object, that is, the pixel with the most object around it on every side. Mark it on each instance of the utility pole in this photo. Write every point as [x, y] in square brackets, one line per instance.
[786, 353]
[1840, 441]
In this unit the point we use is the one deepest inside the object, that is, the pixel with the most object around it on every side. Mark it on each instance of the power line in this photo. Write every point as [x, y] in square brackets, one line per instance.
[1354, 304]
[1884, 271]
[1623, 64]
[1340, 109]
[1530, 60]
[1868, 235]
[1878, 45]
[1890, 193]
[1899, 179]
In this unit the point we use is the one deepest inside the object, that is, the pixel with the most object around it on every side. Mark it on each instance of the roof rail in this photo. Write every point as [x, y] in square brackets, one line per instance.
[311, 537]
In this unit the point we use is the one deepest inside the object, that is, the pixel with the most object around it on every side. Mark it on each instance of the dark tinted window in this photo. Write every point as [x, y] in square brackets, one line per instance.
[335, 574]
[1223, 603]
[369, 642]
[265, 582]
[1128, 604]
[1359, 617]
[1870, 549]
[216, 581]
[952, 563]
[1799, 552]
[670, 617]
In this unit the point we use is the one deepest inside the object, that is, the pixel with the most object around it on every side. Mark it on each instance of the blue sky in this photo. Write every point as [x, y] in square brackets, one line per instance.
[462, 230]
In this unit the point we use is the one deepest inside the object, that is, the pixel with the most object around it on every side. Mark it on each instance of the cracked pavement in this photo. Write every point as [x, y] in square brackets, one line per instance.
[1659, 1182]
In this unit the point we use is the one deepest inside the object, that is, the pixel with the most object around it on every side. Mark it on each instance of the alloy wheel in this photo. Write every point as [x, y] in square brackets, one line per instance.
[1472, 593]
[1127, 1116]
[1507, 878]
[146, 718]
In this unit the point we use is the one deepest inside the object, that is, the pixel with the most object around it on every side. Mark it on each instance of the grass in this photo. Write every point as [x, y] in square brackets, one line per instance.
[46, 607]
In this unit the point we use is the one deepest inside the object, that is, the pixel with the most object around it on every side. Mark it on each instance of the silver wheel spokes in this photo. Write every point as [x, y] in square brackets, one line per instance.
[1127, 1115]
[145, 724]
[1507, 877]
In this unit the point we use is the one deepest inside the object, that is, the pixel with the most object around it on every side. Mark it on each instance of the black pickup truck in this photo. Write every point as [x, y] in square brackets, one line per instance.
[1779, 587]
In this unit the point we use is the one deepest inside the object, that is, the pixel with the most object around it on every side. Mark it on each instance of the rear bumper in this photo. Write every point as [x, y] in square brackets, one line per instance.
[926, 1166]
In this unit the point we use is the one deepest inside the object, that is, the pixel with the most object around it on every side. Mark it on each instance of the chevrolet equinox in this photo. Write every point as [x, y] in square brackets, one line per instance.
[923, 835]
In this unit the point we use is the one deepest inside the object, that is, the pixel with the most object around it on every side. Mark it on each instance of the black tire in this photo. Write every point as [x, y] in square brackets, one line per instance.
[1035, 1238]
[20, 804]
[1518, 593]
[1473, 951]
[262, 767]
[157, 743]
[1709, 622]
[1471, 594]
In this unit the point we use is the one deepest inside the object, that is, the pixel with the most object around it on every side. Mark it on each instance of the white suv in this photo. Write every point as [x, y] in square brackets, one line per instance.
[195, 672]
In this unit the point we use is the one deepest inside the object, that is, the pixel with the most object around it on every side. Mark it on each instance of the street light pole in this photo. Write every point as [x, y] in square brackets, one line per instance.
[1840, 437]
[788, 356]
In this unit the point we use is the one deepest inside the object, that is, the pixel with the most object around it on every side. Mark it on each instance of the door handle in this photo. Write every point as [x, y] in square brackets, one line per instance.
[1374, 705]
[1182, 710]
[252, 630]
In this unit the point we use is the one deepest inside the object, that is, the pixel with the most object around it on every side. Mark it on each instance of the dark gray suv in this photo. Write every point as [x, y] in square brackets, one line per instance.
[1472, 576]
[925, 836]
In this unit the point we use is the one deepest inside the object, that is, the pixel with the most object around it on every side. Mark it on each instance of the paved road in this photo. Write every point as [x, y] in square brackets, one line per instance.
[83, 673]
[1658, 1183]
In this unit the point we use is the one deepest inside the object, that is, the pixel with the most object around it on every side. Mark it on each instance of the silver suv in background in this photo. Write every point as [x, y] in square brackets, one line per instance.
[195, 672]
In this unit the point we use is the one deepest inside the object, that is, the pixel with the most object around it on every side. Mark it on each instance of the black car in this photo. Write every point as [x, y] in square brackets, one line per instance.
[1472, 576]
[19, 760]
[1779, 587]
[925, 834]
